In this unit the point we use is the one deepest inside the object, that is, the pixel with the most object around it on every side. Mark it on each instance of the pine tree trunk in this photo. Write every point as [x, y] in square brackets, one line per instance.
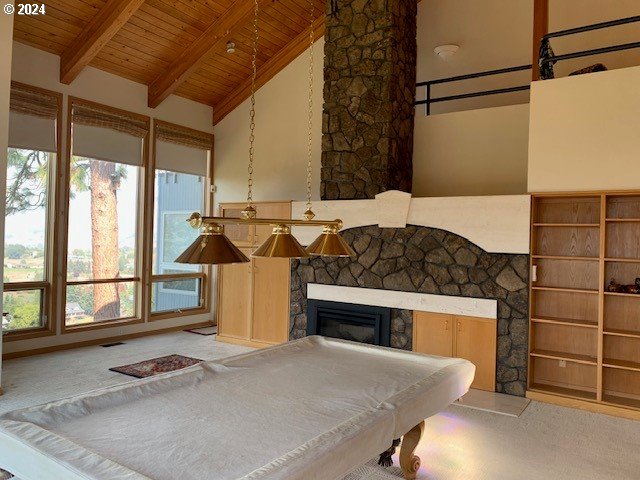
[104, 239]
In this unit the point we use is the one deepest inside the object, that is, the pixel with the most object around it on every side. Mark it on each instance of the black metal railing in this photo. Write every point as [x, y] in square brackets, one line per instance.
[548, 58]
[428, 100]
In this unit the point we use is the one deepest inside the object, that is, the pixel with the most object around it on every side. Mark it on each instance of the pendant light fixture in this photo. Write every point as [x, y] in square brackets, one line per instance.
[213, 247]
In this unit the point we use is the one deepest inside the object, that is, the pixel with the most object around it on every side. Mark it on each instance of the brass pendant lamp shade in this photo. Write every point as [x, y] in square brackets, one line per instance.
[281, 244]
[212, 247]
[330, 244]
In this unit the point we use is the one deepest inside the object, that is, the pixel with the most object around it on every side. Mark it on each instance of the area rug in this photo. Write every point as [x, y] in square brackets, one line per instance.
[206, 331]
[155, 366]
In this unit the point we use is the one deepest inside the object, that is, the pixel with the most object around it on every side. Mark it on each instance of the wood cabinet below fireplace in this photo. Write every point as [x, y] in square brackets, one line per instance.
[471, 338]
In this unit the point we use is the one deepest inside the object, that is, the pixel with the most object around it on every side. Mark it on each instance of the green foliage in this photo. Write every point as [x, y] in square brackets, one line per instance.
[23, 309]
[14, 252]
[27, 180]
[83, 295]
[26, 316]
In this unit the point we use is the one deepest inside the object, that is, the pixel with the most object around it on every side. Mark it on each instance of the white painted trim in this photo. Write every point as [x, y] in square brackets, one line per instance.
[471, 307]
[497, 224]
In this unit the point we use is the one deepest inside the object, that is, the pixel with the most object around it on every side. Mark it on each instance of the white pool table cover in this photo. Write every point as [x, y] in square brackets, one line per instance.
[314, 408]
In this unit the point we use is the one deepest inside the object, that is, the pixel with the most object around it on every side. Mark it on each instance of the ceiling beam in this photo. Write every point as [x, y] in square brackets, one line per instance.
[540, 29]
[270, 69]
[100, 30]
[215, 36]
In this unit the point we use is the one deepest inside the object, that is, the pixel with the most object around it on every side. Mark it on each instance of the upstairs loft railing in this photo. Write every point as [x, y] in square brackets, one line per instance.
[428, 99]
[548, 58]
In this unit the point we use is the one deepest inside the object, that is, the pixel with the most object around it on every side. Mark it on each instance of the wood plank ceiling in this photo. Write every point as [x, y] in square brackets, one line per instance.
[174, 46]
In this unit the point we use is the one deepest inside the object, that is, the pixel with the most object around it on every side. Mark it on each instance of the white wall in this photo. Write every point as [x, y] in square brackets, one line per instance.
[496, 34]
[281, 139]
[474, 152]
[464, 153]
[492, 34]
[6, 34]
[42, 69]
[585, 132]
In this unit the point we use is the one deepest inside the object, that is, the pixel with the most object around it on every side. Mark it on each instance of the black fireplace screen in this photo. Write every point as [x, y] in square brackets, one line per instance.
[359, 323]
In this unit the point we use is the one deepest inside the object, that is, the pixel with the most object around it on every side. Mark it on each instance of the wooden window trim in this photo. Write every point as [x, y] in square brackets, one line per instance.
[49, 306]
[56, 284]
[207, 271]
[204, 308]
[142, 234]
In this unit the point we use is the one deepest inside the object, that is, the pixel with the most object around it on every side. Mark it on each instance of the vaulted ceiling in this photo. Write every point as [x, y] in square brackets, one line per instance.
[174, 46]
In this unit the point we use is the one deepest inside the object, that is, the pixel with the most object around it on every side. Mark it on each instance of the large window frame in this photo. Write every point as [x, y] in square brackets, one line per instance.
[204, 276]
[142, 238]
[47, 284]
[55, 281]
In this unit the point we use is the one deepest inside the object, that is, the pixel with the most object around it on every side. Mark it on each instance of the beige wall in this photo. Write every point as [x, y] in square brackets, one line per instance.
[464, 153]
[585, 132]
[496, 34]
[474, 152]
[6, 34]
[281, 140]
[42, 69]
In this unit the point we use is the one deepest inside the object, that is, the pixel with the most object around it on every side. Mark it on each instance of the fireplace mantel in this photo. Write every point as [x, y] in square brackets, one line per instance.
[467, 306]
[497, 224]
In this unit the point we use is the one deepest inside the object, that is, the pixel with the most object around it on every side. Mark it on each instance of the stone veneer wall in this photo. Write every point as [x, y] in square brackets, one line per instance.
[369, 92]
[428, 260]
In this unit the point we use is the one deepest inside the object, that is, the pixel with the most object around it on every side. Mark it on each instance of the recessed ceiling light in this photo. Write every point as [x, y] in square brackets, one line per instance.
[231, 47]
[446, 51]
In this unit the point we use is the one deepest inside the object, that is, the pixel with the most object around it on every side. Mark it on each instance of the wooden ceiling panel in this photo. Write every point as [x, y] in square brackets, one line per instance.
[152, 40]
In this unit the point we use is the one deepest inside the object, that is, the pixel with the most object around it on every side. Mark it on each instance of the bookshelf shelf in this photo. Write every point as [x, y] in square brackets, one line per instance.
[585, 341]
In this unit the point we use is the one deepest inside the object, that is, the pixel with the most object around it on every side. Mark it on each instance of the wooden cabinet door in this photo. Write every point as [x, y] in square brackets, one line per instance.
[475, 340]
[234, 309]
[270, 300]
[433, 333]
[238, 234]
[270, 210]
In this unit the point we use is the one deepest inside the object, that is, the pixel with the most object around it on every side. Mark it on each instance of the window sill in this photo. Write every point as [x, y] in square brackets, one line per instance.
[175, 314]
[27, 334]
[99, 325]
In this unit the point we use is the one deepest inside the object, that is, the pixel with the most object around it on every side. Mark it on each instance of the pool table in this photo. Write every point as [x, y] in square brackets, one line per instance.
[314, 408]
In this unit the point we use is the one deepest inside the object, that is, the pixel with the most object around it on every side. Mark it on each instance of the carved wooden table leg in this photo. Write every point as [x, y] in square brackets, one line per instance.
[410, 463]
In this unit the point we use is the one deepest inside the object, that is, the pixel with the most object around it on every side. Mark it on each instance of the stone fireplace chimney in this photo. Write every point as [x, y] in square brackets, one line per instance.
[369, 90]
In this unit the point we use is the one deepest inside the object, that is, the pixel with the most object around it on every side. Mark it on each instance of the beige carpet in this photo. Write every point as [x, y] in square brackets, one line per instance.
[544, 443]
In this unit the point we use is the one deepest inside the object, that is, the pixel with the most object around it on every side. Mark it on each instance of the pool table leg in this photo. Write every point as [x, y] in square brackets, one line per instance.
[410, 463]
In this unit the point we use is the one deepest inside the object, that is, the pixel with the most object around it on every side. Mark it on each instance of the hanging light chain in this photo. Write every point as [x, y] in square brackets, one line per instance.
[252, 113]
[309, 213]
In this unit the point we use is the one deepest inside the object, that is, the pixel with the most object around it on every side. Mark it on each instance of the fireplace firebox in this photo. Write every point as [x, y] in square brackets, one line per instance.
[348, 321]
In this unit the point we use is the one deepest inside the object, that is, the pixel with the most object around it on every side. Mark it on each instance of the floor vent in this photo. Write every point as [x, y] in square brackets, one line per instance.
[112, 344]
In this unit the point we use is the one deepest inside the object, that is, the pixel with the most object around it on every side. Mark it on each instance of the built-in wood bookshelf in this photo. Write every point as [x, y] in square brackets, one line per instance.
[584, 342]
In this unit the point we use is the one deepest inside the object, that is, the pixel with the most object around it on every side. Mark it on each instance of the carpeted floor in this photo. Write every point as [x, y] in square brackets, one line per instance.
[544, 443]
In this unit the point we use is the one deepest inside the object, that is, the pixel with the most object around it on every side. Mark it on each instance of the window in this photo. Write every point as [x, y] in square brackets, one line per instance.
[31, 162]
[105, 200]
[181, 181]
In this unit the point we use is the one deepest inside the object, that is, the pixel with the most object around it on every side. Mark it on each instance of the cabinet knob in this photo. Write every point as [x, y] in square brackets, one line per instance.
[446, 325]
[459, 326]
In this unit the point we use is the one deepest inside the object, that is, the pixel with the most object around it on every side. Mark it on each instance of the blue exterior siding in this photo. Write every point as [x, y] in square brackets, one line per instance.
[177, 196]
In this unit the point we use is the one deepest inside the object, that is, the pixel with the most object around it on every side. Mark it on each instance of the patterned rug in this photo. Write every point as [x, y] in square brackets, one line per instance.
[155, 366]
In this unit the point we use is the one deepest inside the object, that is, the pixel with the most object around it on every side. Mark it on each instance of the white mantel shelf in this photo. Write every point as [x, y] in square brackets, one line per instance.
[497, 224]
[471, 307]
